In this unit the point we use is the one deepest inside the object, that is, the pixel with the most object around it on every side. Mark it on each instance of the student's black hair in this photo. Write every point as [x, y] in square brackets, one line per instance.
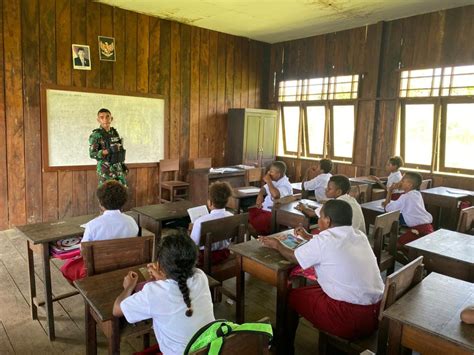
[325, 165]
[415, 178]
[177, 256]
[397, 161]
[80, 49]
[339, 212]
[219, 193]
[280, 165]
[112, 195]
[102, 110]
[341, 182]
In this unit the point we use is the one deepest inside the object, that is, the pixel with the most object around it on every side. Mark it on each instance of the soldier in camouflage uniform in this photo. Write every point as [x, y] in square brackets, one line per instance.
[105, 145]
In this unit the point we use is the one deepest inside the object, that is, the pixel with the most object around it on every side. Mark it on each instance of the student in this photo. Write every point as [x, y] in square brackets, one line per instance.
[219, 193]
[178, 300]
[111, 224]
[277, 186]
[318, 176]
[105, 146]
[338, 188]
[393, 167]
[467, 315]
[412, 209]
[346, 300]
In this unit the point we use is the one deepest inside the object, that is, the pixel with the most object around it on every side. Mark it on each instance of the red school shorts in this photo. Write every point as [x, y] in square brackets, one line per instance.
[343, 319]
[261, 220]
[414, 233]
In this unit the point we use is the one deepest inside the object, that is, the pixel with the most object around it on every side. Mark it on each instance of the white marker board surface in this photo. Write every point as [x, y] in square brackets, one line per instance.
[70, 117]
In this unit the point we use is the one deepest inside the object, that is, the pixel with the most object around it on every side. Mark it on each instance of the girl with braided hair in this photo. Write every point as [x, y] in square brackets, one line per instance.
[178, 298]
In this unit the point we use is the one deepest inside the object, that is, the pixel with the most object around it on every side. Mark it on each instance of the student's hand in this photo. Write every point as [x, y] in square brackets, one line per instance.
[190, 227]
[130, 281]
[375, 178]
[300, 207]
[155, 271]
[269, 242]
[105, 152]
[259, 201]
[300, 231]
[384, 204]
[267, 178]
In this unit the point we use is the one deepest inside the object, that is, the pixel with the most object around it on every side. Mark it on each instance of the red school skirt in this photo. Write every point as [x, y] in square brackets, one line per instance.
[261, 220]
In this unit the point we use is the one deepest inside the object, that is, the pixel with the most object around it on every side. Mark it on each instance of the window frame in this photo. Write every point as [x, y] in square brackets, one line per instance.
[282, 113]
[331, 129]
[444, 102]
[419, 101]
[307, 153]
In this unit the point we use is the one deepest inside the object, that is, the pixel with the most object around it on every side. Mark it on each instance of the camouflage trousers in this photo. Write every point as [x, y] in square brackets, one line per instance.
[107, 171]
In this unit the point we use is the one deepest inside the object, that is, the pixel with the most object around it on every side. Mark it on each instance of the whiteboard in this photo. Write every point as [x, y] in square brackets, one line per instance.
[71, 116]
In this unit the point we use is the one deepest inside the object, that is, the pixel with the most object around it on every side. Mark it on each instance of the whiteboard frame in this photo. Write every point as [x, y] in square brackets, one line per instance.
[44, 125]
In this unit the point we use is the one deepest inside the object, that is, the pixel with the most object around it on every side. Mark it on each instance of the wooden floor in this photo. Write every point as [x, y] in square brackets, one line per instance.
[19, 334]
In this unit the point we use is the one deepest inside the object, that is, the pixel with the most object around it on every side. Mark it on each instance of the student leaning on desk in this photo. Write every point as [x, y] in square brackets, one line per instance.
[346, 300]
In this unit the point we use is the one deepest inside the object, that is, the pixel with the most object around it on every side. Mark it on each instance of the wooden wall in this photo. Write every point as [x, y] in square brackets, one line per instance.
[202, 72]
[378, 52]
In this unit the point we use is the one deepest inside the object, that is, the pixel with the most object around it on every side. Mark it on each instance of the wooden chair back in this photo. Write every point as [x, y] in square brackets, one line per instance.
[466, 220]
[202, 163]
[234, 227]
[254, 176]
[107, 255]
[363, 193]
[426, 184]
[279, 218]
[386, 225]
[169, 166]
[354, 191]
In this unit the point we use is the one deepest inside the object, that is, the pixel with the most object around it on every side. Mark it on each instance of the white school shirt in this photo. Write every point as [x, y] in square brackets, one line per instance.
[283, 185]
[412, 207]
[345, 264]
[358, 221]
[112, 224]
[196, 232]
[393, 178]
[163, 301]
[319, 185]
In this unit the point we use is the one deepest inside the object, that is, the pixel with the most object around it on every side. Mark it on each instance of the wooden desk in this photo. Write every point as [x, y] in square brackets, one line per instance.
[427, 319]
[446, 252]
[38, 237]
[287, 215]
[152, 217]
[242, 199]
[267, 265]
[99, 293]
[362, 180]
[439, 198]
[371, 210]
[200, 179]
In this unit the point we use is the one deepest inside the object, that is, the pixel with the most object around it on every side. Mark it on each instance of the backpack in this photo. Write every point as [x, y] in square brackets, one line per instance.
[213, 335]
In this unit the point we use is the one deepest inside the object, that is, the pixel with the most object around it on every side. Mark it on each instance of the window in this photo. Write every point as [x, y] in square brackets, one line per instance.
[436, 127]
[318, 117]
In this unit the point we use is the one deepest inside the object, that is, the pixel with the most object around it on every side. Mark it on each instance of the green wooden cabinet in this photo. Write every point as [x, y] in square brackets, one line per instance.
[251, 136]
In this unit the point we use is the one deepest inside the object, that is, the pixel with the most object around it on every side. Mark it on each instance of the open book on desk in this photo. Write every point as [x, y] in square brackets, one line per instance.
[196, 212]
[223, 170]
[290, 241]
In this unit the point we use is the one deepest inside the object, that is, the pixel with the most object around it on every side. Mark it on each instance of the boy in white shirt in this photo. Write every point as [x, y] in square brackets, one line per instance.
[412, 209]
[393, 167]
[277, 186]
[178, 300]
[318, 176]
[219, 193]
[338, 188]
[346, 300]
[111, 224]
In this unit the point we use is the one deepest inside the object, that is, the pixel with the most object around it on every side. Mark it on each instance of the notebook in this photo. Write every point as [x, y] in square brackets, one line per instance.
[291, 241]
[196, 212]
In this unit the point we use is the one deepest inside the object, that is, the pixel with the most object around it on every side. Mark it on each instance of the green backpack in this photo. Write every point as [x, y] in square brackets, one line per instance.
[212, 335]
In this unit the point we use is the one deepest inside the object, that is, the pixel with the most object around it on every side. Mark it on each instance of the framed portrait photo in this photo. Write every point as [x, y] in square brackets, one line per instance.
[81, 58]
[107, 48]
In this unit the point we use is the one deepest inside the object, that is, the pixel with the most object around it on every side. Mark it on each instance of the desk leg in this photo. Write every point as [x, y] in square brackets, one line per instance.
[48, 294]
[112, 333]
[282, 301]
[240, 291]
[395, 332]
[31, 275]
[91, 334]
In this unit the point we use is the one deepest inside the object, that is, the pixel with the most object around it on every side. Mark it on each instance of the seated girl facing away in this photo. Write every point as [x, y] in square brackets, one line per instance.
[178, 300]
[219, 193]
[111, 224]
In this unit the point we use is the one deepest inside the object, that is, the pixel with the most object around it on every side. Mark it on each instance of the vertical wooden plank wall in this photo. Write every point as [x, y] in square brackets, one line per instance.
[198, 69]
[377, 52]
